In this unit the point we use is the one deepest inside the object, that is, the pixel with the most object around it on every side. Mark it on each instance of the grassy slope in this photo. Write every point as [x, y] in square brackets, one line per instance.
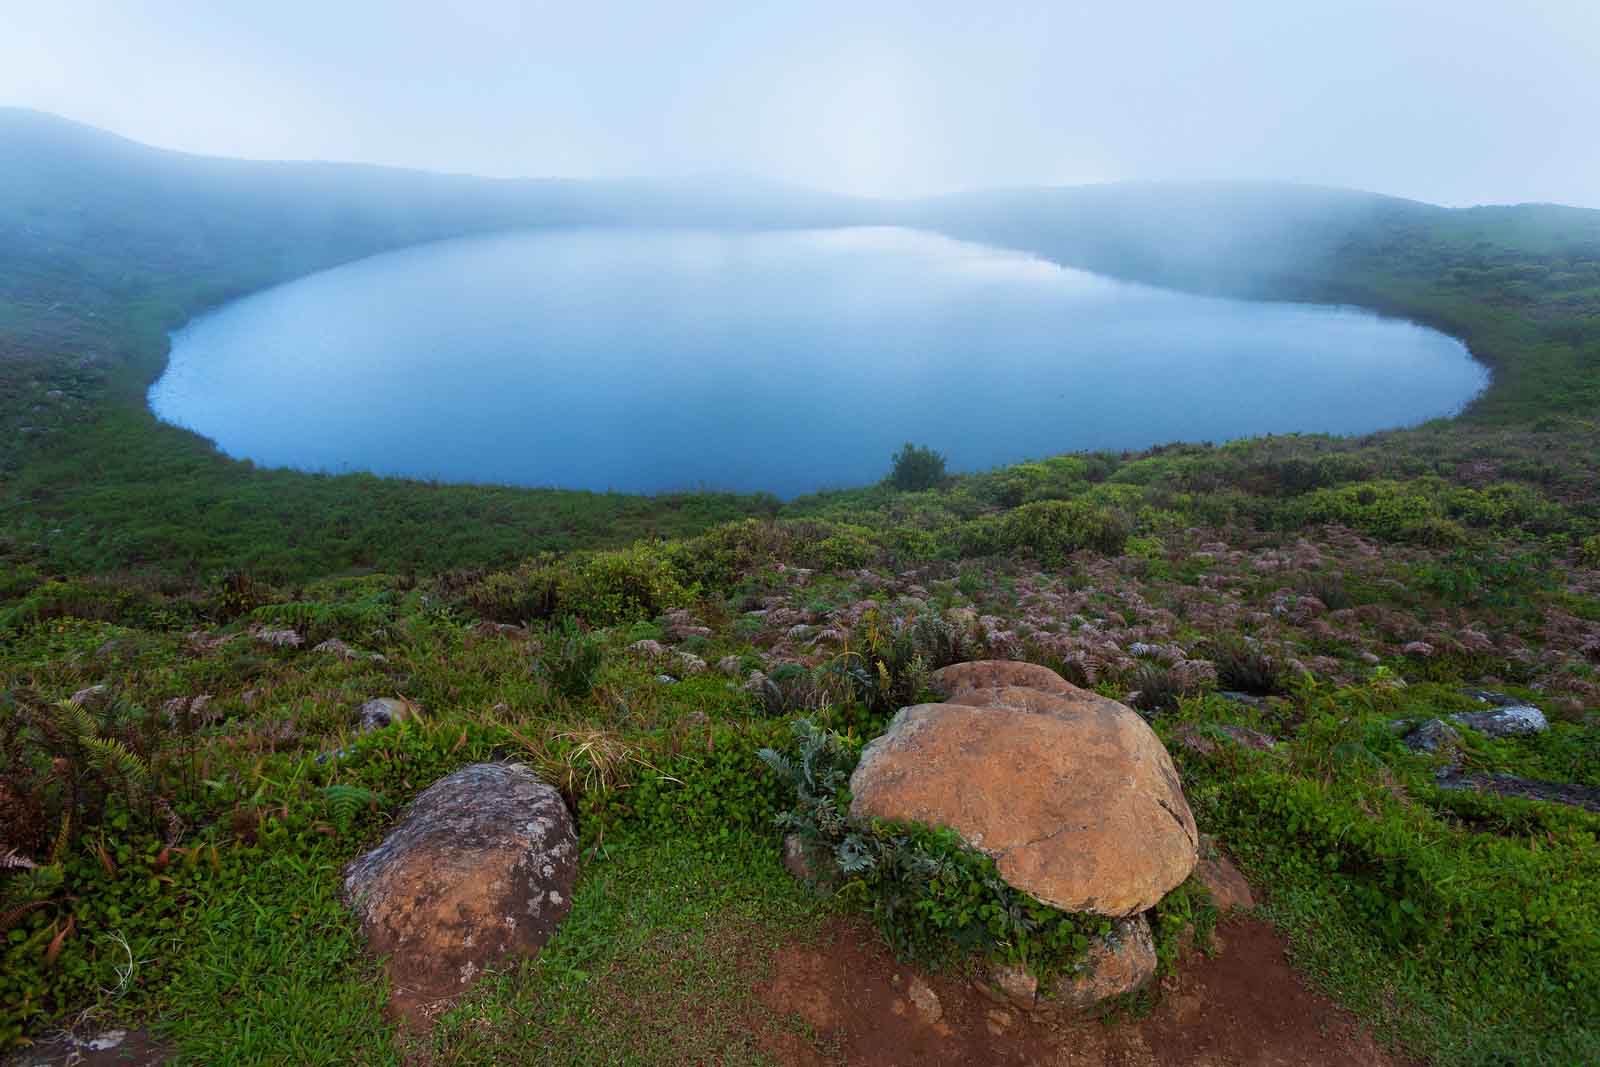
[115, 529]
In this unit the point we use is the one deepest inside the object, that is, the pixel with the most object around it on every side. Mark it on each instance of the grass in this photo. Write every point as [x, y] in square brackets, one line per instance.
[659, 963]
[1322, 571]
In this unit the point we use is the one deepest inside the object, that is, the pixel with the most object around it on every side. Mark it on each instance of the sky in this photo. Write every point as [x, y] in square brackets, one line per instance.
[1451, 101]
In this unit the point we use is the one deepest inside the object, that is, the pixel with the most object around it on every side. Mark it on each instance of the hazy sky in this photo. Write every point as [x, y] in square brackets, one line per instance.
[1454, 101]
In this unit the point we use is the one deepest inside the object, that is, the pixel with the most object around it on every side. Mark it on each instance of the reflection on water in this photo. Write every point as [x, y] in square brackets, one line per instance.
[646, 360]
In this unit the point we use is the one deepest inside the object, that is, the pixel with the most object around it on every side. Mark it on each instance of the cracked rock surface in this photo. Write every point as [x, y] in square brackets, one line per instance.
[1070, 793]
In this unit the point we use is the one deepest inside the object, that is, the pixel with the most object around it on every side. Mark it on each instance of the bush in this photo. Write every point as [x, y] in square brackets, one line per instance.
[529, 593]
[1589, 551]
[916, 467]
[931, 895]
[1244, 667]
[570, 659]
[1050, 531]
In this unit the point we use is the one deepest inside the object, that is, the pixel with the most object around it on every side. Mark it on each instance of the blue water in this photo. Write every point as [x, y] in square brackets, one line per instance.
[649, 360]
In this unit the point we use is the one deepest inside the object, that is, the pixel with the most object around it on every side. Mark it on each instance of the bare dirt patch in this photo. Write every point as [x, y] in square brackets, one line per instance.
[1243, 1006]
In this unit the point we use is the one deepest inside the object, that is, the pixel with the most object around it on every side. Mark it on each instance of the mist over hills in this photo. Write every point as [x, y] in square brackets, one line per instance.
[74, 193]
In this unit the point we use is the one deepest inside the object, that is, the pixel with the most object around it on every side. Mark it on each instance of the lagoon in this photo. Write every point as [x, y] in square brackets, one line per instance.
[780, 361]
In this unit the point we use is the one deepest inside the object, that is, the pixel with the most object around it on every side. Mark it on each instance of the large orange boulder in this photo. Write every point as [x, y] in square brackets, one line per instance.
[480, 867]
[1070, 793]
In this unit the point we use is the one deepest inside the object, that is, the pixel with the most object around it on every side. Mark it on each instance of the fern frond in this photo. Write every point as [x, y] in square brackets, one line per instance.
[110, 756]
[346, 802]
[63, 839]
[74, 720]
[782, 765]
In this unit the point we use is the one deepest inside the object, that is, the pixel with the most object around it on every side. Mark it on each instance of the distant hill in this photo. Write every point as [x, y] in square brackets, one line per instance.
[1242, 238]
[70, 193]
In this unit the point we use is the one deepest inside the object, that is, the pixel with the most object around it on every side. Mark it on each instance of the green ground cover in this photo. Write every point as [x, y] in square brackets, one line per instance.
[173, 861]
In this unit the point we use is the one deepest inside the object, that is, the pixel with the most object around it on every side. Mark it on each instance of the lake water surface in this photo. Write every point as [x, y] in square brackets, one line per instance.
[648, 360]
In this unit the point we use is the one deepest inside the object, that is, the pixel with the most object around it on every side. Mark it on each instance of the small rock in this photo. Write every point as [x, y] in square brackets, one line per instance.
[730, 666]
[1222, 881]
[1509, 721]
[90, 696]
[1433, 736]
[666, 679]
[690, 664]
[1369, 659]
[335, 647]
[381, 712]
[649, 649]
[998, 1021]
[810, 864]
[1586, 797]
[1417, 648]
[925, 1000]
[1019, 987]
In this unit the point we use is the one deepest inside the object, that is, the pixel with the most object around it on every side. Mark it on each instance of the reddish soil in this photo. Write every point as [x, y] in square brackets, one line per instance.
[1241, 1007]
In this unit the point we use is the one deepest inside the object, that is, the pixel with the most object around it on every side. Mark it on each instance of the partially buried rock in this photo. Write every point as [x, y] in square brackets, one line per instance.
[1224, 884]
[1432, 736]
[1070, 794]
[810, 863]
[1116, 963]
[480, 867]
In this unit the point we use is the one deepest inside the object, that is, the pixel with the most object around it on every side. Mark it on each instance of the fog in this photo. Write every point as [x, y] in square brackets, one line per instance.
[1450, 101]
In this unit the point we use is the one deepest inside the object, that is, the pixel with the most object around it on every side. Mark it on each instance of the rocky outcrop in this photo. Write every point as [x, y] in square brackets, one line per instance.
[1511, 720]
[1070, 793]
[1509, 785]
[481, 867]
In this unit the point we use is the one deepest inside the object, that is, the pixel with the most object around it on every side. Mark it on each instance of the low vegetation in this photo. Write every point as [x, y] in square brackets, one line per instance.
[185, 642]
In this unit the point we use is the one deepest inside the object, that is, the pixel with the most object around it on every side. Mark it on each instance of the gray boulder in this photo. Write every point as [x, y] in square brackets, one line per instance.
[1510, 720]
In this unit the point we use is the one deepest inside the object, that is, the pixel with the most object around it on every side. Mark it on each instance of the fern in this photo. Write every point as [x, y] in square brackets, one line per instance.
[346, 803]
[111, 757]
[72, 720]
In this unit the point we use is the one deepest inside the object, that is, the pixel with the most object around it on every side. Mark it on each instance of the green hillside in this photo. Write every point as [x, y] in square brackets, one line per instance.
[173, 839]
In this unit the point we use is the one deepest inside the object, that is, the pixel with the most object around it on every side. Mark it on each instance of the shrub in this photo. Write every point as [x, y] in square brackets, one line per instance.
[1159, 688]
[621, 587]
[916, 467]
[570, 659]
[1050, 531]
[526, 594]
[1245, 667]
[1589, 551]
